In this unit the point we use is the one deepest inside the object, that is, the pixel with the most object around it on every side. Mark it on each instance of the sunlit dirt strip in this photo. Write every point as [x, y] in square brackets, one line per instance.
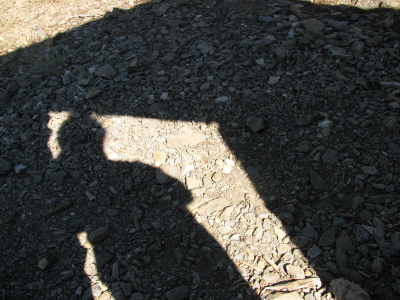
[25, 22]
[186, 151]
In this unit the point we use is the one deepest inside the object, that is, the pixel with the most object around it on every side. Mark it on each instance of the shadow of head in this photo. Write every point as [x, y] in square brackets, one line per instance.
[136, 221]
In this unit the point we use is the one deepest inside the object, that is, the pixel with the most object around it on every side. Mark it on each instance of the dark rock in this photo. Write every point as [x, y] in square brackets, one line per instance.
[156, 107]
[103, 258]
[380, 199]
[318, 183]
[328, 238]
[98, 235]
[5, 166]
[255, 124]
[106, 72]
[178, 293]
[344, 242]
[345, 290]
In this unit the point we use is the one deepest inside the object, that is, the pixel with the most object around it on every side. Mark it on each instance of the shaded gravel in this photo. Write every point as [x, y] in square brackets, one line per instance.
[204, 150]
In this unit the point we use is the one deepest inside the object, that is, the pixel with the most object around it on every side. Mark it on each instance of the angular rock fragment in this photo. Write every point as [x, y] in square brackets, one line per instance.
[318, 183]
[98, 235]
[106, 72]
[5, 166]
[178, 293]
[255, 124]
[345, 290]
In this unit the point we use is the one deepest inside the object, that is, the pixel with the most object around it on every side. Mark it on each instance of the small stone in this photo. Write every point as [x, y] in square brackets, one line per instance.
[222, 99]
[314, 252]
[313, 25]
[303, 147]
[92, 93]
[106, 72]
[273, 80]
[318, 183]
[103, 258]
[380, 199]
[164, 96]
[126, 288]
[284, 296]
[105, 296]
[212, 206]
[309, 231]
[369, 170]
[115, 270]
[166, 174]
[287, 218]
[160, 9]
[351, 274]
[396, 286]
[265, 19]
[137, 296]
[57, 177]
[5, 166]
[341, 258]
[328, 238]
[343, 241]
[281, 234]
[330, 157]
[391, 122]
[156, 107]
[178, 293]
[159, 157]
[387, 22]
[119, 13]
[332, 267]
[393, 148]
[281, 53]
[376, 266]
[366, 215]
[20, 169]
[98, 235]
[357, 46]
[192, 183]
[345, 290]
[255, 124]
[295, 272]
[43, 264]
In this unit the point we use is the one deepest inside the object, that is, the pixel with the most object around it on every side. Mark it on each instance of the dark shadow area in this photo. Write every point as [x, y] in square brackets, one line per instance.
[305, 97]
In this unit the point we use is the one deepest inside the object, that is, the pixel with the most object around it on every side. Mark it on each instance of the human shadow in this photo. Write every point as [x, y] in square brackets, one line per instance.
[132, 68]
[144, 212]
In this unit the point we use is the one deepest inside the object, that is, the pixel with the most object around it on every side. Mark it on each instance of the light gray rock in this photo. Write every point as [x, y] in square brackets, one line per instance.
[192, 183]
[295, 272]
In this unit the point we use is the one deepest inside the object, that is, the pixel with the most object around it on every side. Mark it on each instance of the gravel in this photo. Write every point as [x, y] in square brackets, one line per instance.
[205, 150]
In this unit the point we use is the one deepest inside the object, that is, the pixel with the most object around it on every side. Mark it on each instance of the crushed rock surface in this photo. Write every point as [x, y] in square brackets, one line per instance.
[204, 150]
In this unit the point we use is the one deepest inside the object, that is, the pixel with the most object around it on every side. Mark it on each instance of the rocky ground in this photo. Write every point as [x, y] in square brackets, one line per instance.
[204, 150]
